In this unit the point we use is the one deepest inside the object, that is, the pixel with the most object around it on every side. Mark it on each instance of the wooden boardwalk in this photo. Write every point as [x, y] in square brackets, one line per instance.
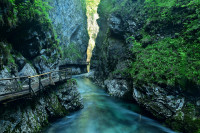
[33, 84]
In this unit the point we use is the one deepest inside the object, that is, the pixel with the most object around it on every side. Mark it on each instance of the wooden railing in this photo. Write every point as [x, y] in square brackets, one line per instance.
[33, 84]
[80, 63]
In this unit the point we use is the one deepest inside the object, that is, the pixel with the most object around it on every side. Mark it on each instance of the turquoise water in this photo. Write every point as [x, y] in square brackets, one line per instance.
[104, 114]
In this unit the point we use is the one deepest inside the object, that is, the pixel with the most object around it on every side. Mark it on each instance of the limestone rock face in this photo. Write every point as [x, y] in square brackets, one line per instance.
[5, 85]
[117, 88]
[116, 24]
[43, 64]
[70, 23]
[159, 101]
[27, 70]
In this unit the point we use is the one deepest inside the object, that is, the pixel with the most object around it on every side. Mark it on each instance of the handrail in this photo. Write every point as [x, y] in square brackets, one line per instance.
[63, 70]
[39, 75]
[32, 87]
[14, 78]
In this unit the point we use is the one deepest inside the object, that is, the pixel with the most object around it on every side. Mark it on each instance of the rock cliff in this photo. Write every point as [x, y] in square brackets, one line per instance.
[41, 39]
[131, 34]
[38, 36]
[70, 23]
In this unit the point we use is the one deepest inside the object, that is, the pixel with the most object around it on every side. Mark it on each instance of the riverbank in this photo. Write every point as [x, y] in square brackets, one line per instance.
[104, 114]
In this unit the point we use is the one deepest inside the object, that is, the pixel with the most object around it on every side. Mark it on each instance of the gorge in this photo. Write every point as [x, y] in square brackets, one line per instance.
[144, 53]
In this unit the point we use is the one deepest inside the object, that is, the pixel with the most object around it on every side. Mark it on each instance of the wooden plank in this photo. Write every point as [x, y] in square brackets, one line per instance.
[14, 78]
[34, 86]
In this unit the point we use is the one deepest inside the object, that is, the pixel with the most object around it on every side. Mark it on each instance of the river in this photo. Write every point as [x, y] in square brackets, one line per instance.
[104, 114]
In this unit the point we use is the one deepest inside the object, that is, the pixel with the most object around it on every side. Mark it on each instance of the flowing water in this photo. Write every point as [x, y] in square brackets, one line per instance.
[104, 114]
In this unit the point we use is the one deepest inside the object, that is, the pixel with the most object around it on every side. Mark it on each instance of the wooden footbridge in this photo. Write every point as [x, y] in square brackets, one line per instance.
[81, 64]
[28, 86]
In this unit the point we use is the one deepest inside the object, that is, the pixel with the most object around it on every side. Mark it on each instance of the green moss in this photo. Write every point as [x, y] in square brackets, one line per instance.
[72, 52]
[188, 125]
[6, 56]
[36, 10]
[58, 109]
[186, 120]
[70, 82]
[123, 72]
[165, 47]
[167, 60]
[160, 63]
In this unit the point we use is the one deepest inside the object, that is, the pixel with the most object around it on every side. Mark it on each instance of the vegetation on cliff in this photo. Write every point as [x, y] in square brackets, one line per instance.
[162, 45]
[173, 59]
[26, 27]
[167, 45]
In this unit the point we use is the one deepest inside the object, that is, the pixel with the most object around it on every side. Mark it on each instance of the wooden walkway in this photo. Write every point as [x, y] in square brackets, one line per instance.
[79, 64]
[32, 84]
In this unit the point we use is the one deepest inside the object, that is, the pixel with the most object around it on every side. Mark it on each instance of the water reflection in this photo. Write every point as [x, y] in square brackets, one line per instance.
[103, 114]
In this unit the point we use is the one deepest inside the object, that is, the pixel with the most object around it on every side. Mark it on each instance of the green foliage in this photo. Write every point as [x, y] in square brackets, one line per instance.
[187, 123]
[71, 52]
[169, 61]
[108, 7]
[168, 51]
[120, 72]
[9, 16]
[105, 7]
[36, 10]
[165, 62]
[71, 82]
[174, 12]
[6, 57]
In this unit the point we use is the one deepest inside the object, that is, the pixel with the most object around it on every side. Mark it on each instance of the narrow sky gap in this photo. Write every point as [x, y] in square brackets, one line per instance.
[93, 27]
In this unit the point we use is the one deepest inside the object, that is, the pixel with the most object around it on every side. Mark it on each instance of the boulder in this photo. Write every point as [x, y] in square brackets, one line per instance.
[28, 70]
[20, 61]
[116, 24]
[158, 100]
[117, 88]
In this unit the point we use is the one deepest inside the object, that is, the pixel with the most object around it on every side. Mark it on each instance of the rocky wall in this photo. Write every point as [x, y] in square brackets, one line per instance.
[112, 60]
[70, 23]
[31, 115]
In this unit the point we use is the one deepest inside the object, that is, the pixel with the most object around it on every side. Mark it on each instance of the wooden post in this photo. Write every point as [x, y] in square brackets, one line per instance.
[50, 79]
[41, 86]
[16, 84]
[71, 73]
[30, 88]
[65, 74]
[59, 75]
[29, 85]
[39, 83]
[19, 86]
